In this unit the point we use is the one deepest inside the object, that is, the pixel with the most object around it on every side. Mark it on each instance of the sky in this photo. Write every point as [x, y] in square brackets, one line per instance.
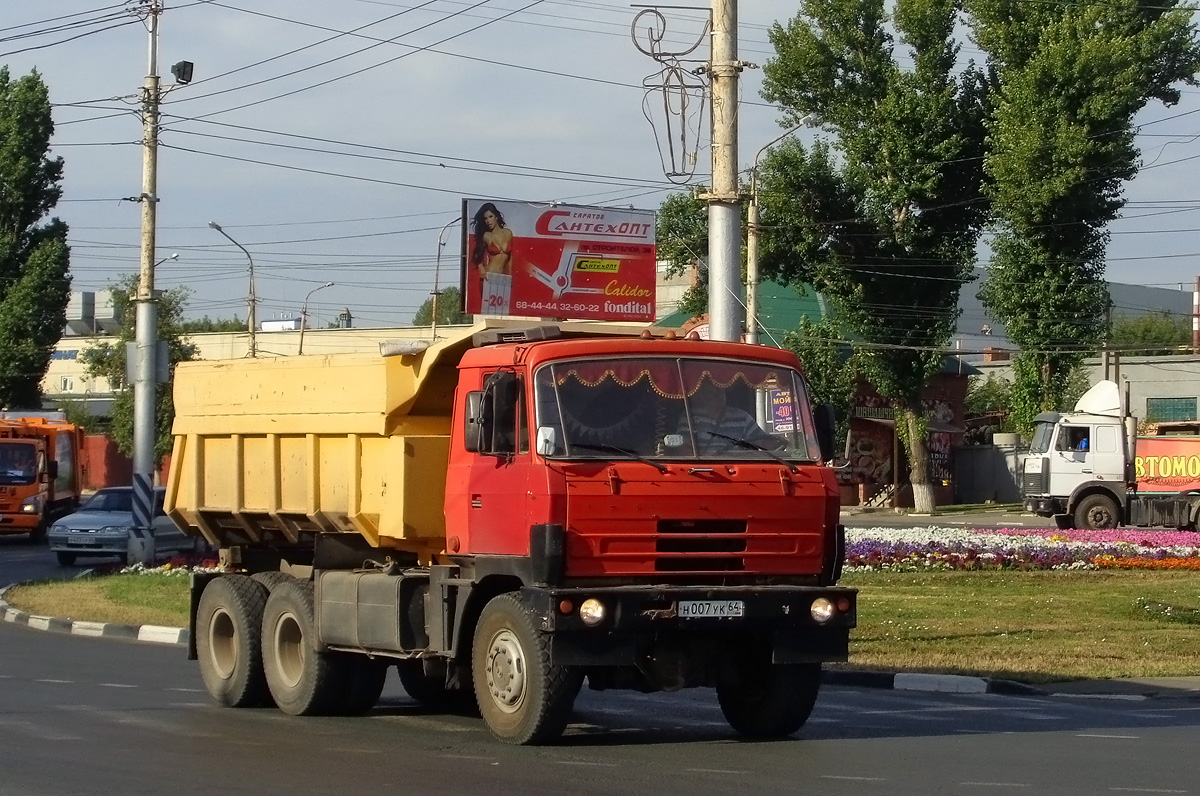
[336, 140]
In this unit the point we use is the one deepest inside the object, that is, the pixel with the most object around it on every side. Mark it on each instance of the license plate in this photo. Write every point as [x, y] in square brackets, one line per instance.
[83, 541]
[716, 609]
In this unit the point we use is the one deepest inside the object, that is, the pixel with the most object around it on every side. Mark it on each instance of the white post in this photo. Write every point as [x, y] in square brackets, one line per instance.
[724, 202]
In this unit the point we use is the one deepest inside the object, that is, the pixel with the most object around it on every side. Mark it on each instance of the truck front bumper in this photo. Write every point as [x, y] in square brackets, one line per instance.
[802, 624]
[16, 522]
[1044, 506]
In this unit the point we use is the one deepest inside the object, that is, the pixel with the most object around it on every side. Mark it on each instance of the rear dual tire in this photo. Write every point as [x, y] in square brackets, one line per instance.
[229, 641]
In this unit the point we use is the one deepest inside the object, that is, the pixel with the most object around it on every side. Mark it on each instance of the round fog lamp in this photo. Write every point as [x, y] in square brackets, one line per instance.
[821, 610]
[591, 612]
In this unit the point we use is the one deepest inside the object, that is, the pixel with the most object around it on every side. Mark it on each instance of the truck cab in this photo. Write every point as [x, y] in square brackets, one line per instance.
[1077, 466]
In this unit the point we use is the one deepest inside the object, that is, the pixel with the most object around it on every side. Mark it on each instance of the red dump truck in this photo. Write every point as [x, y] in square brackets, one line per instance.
[504, 513]
[40, 473]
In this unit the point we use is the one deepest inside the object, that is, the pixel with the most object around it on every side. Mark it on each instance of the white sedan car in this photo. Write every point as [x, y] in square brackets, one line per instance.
[104, 522]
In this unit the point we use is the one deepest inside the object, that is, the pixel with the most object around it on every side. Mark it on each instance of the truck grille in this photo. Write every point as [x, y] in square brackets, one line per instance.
[1034, 481]
[700, 546]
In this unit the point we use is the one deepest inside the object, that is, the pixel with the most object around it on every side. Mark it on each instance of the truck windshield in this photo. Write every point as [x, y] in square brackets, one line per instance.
[18, 463]
[1042, 433]
[675, 408]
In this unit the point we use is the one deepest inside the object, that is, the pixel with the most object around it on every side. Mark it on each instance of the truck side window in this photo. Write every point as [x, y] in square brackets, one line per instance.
[1073, 438]
[522, 418]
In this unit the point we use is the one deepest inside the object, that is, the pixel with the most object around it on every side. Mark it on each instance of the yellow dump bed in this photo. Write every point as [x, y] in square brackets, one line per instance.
[269, 449]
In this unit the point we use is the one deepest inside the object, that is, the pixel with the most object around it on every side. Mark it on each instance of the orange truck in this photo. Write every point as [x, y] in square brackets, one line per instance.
[505, 512]
[40, 473]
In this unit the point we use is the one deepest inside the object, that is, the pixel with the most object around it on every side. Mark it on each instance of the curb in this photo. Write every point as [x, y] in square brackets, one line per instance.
[944, 683]
[153, 634]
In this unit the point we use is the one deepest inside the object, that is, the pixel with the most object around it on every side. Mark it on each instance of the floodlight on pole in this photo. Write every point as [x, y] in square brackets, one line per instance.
[752, 276]
[251, 321]
[304, 312]
[174, 256]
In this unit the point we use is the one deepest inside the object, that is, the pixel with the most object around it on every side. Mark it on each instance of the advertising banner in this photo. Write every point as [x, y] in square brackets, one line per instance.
[558, 261]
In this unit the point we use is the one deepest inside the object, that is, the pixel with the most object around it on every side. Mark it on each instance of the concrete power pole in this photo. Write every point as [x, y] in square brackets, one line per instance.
[725, 314]
[145, 347]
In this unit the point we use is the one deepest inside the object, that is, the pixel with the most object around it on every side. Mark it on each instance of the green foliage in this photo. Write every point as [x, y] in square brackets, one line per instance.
[107, 360]
[829, 365]
[987, 396]
[35, 282]
[1067, 80]
[1155, 333]
[207, 324]
[449, 309]
[883, 220]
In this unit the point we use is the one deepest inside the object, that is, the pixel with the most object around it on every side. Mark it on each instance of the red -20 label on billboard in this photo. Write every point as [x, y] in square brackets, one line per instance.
[560, 261]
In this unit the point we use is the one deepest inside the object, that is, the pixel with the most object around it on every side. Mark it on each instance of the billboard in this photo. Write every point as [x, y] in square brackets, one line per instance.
[558, 261]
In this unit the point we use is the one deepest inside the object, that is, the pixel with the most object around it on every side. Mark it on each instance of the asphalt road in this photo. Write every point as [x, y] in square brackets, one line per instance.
[97, 716]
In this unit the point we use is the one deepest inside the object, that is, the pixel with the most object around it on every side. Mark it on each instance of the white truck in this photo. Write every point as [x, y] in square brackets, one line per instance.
[1089, 468]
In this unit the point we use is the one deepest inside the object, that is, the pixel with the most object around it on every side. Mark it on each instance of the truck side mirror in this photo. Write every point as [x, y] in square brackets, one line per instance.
[474, 426]
[547, 441]
[825, 421]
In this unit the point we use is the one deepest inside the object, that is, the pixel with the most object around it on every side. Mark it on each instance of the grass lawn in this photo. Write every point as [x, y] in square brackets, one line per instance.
[1036, 626]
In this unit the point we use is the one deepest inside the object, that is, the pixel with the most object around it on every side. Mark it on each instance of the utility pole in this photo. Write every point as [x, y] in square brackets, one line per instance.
[437, 271]
[145, 371]
[725, 315]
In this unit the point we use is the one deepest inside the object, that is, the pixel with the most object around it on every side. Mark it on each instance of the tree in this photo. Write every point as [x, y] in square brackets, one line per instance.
[449, 309]
[1160, 332]
[988, 396]
[682, 242]
[35, 282]
[883, 221]
[107, 360]
[206, 324]
[1067, 80]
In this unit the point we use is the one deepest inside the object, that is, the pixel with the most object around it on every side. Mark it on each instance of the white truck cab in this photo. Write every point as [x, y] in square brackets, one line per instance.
[1077, 469]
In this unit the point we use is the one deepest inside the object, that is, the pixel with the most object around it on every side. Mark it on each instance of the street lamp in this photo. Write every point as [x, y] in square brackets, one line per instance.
[752, 277]
[174, 256]
[304, 312]
[250, 318]
[437, 271]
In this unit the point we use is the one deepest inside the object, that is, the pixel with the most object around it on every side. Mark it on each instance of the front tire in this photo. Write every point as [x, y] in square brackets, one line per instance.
[774, 701]
[303, 681]
[523, 698]
[1097, 512]
[228, 641]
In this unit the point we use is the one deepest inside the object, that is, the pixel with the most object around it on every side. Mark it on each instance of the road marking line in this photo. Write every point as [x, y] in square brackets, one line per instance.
[54, 681]
[1149, 790]
[116, 685]
[1117, 737]
[468, 757]
[429, 724]
[999, 784]
[1117, 697]
[584, 763]
[714, 771]
[186, 690]
[29, 728]
[854, 779]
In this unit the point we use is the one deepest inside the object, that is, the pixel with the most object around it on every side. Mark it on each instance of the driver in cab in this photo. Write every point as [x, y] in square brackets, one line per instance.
[719, 427]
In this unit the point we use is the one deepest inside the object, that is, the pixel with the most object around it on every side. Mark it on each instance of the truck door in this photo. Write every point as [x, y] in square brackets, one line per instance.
[498, 487]
[1071, 460]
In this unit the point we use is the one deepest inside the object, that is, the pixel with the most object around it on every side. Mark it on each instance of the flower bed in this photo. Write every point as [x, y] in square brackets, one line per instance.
[921, 549]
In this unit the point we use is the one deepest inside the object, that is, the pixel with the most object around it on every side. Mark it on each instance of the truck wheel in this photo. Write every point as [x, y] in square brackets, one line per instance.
[1096, 512]
[228, 641]
[303, 681]
[270, 579]
[774, 704]
[522, 697]
[65, 558]
[362, 684]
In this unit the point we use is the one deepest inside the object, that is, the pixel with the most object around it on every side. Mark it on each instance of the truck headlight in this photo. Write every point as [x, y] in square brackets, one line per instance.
[592, 612]
[31, 505]
[821, 610]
